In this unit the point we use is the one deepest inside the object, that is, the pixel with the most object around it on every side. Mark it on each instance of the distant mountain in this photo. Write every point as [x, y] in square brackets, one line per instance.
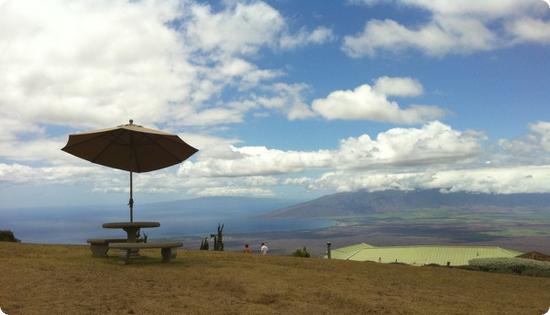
[364, 202]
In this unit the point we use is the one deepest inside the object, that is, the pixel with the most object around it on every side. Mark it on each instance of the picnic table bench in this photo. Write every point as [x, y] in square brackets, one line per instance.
[100, 246]
[167, 249]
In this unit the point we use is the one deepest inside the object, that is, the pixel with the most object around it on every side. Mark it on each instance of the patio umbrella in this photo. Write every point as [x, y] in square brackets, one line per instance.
[131, 148]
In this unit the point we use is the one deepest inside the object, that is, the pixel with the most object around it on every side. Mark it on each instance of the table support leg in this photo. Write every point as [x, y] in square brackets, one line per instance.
[99, 250]
[132, 238]
[166, 254]
[124, 256]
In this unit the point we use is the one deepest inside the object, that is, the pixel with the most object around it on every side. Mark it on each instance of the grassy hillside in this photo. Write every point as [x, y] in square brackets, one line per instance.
[52, 279]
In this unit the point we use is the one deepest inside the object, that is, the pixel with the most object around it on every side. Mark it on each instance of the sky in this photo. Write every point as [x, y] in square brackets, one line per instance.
[284, 99]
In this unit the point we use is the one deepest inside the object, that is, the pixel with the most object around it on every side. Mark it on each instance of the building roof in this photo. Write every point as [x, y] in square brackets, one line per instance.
[345, 252]
[422, 254]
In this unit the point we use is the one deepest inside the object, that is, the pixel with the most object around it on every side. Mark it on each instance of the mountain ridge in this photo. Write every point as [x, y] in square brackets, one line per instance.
[364, 202]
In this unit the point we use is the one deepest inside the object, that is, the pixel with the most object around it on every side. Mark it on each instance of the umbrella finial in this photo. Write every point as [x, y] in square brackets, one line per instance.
[131, 121]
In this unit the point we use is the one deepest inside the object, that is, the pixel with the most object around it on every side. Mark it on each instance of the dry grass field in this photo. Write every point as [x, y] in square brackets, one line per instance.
[54, 279]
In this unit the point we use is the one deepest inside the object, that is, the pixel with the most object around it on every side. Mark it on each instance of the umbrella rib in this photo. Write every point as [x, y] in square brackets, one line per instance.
[104, 149]
[162, 147]
[138, 167]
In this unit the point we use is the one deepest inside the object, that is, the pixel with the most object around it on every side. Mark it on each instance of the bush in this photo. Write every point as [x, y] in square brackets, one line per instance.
[301, 252]
[519, 266]
[204, 244]
[7, 236]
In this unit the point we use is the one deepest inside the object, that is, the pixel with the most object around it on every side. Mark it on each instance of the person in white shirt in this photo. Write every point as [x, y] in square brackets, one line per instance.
[264, 249]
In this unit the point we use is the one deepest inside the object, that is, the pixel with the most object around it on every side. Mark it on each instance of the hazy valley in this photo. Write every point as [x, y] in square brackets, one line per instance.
[517, 221]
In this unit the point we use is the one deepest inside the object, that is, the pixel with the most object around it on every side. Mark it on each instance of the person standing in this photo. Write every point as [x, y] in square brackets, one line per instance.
[246, 249]
[264, 249]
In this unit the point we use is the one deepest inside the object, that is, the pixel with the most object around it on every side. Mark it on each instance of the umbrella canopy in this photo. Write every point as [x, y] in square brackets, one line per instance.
[131, 148]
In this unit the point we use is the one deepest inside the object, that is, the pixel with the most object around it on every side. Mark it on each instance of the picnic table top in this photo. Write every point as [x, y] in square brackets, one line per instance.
[135, 224]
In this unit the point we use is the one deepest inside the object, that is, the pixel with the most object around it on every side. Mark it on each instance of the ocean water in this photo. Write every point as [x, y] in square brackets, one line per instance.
[75, 225]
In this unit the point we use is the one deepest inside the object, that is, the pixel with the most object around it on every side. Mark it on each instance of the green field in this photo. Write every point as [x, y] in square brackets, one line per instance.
[457, 223]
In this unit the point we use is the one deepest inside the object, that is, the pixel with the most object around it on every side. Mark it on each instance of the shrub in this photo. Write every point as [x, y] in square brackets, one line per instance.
[204, 244]
[520, 266]
[301, 252]
[218, 238]
[7, 236]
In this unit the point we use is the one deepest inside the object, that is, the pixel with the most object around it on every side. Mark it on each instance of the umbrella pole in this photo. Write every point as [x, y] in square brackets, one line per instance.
[131, 201]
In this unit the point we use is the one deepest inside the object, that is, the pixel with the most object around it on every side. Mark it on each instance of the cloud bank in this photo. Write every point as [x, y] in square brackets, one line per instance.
[455, 27]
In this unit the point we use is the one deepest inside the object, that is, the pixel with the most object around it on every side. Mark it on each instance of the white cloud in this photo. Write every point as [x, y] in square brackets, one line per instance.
[290, 99]
[239, 72]
[214, 116]
[368, 103]
[521, 147]
[211, 146]
[238, 29]
[37, 149]
[541, 131]
[94, 64]
[90, 64]
[535, 144]
[483, 9]
[12, 126]
[83, 65]
[517, 179]
[86, 64]
[219, 157]
[235, 191]
[437, 38]
[297, 181]
[254, 161]
[530, 30]
[461, 27]
[398, 86]
[432, 144]
[318, 36]
[243, 28]
[286, 98]
[24, 174]
[433, 156]
[105, 180]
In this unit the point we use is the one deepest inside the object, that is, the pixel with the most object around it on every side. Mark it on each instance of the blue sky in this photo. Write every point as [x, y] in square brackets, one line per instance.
[287, 99]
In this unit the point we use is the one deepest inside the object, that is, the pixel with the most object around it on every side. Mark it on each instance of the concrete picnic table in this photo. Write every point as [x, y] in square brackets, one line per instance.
[131, 228]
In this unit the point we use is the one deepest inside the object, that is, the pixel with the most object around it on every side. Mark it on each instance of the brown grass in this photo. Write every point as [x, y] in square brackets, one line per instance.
[53, 279]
